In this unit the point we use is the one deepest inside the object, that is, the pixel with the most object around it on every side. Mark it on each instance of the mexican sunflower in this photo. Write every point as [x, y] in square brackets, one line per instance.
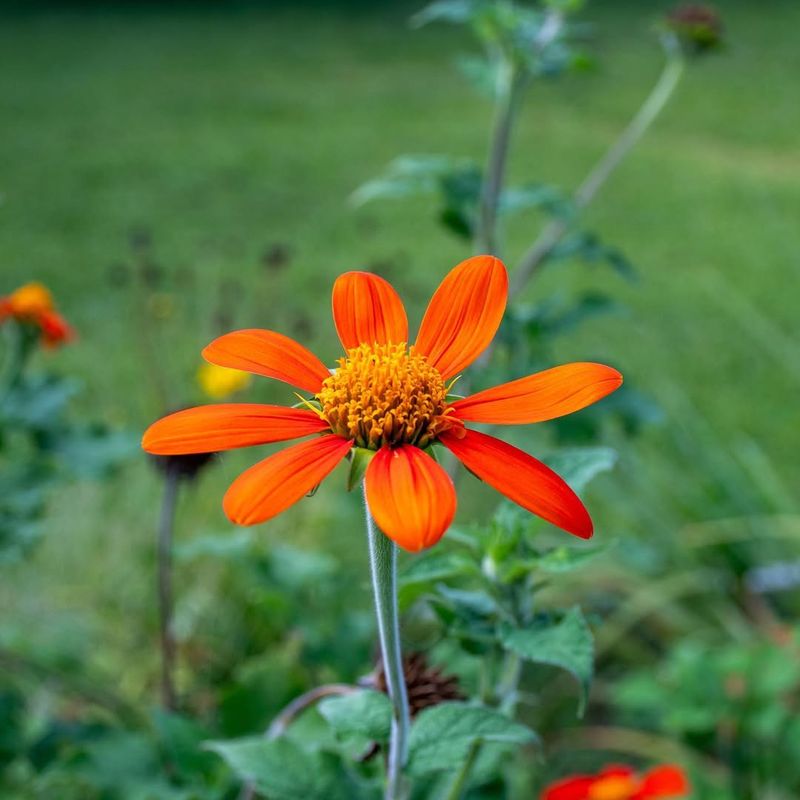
[619, 782]
[32, 304]
[393, 401]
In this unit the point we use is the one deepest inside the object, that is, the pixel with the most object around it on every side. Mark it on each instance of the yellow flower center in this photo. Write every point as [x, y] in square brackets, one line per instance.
[385, 394]
[615, 787]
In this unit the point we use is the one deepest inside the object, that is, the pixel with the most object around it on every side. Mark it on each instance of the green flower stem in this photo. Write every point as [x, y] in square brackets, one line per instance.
[22, 340]
[383, 568]
[507, 92]
[166, 527]
[459, 784]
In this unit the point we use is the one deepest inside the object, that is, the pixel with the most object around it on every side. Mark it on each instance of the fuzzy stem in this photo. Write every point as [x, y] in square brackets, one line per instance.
[383, 569]
[166, 527]
[612, 158]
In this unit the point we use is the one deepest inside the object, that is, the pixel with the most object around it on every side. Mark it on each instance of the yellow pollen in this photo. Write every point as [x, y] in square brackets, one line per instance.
[385, 394]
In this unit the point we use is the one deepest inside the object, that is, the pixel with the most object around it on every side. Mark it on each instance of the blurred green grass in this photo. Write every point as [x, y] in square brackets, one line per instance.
[223, 133]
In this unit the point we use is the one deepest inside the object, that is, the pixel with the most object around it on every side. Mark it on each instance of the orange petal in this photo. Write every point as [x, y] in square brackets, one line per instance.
[268, 353]
[275, 483]
[575, 788]
[464, 314]
[367, 310]
[207, 429]
[545, 395]
[664, 781]
[521, 478]
[411, 497]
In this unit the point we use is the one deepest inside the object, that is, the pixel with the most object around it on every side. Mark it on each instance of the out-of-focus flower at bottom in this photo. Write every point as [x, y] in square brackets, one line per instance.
[221, 382]
[619, 782]
[32, 304]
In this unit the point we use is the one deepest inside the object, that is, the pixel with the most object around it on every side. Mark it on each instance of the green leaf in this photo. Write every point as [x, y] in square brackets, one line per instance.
[442, 735]
[568, 645]
[536, 195]
[181, 738]
[364, 713]
[406, 176]
[578, 465]
[282, 770]
[359, 461]
[435, 567]
[565, 559]
[468, 602]
[455, 11]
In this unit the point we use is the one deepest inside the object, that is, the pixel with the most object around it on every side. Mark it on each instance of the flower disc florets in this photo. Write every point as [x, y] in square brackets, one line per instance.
[385, 394]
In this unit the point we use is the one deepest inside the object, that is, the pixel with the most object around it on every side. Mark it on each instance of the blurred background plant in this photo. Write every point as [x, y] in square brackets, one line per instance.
[223, 143]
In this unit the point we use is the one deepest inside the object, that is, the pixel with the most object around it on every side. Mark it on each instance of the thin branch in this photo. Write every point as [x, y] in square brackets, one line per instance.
[508, 90]
[285, 718]
[585, 193]
[299, 704]
[166, 528]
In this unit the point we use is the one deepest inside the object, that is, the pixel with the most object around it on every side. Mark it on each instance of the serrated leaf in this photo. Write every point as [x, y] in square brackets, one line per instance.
[442, 735]
[578, 465]
[568, 645]
[364, 713]
[282, 770]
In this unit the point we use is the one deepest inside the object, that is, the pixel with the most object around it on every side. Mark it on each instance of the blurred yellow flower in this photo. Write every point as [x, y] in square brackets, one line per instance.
[221, 382]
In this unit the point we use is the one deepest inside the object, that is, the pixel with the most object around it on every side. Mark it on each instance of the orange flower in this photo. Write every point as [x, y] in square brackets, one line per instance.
[33, 304]
[621, 783]
[392, 399]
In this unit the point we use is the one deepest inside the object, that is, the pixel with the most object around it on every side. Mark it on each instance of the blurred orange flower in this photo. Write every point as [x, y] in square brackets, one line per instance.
[617, 782]
[33, 304]
[393, 400]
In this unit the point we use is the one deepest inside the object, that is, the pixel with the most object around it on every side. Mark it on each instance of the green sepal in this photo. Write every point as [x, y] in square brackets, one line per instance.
[359, 460]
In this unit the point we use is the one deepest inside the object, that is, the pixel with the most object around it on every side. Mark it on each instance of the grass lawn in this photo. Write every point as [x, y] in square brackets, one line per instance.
[227, 136]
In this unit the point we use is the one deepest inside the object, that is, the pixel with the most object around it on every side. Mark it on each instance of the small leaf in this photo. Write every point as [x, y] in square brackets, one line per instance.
[442, 735]
[456, 11]
[565, 559]
[468, 602]
[364, 713]
[359, 461]
[578, 465]
[568, 644]
[406, 176]
[436, 567]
